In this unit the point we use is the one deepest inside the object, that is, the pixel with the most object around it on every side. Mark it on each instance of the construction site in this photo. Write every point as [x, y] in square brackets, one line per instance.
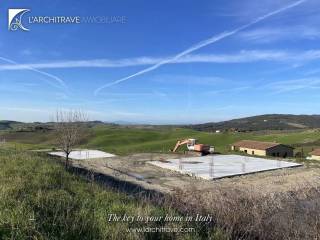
[249, 185]
[167, 172]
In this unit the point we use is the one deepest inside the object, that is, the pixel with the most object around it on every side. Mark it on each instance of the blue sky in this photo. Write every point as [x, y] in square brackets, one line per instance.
[167, 62]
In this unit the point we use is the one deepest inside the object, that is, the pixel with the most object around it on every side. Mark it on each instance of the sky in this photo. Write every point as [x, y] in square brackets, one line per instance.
[161, 62]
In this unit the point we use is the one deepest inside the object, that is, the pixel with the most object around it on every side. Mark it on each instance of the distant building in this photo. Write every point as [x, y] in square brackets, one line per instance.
[263, 148]
[315, 155]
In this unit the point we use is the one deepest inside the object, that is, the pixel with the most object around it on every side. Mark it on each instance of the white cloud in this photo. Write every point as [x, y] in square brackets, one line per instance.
[267, 35]
[294, 85]
[96, 63]
[56, 80]
[312, 71]
[245, 10]
[228, 90]
[187, 79]
[243, 56]
[26, 52]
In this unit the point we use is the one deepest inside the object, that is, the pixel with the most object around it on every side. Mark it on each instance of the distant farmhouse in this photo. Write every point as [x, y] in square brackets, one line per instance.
[263, 148]
[315, 155]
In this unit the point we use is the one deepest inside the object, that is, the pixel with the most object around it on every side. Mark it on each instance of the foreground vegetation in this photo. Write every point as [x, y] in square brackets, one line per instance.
[250, 213]
[40, 200]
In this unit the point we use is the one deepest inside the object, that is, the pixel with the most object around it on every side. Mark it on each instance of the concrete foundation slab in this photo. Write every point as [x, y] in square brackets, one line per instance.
[219, 166]
[84, 154]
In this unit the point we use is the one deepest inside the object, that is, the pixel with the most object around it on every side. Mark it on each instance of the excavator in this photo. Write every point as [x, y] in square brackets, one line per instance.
[192, 145]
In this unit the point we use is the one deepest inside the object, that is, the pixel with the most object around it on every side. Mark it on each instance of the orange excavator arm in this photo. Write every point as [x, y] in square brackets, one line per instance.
[180, 143]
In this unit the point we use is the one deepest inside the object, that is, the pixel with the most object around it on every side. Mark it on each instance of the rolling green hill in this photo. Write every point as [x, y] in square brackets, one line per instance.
[131, 140]
[126, 140]
[5, 125]
[263, 122]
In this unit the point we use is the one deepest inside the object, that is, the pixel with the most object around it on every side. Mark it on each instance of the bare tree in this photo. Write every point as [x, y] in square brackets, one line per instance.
[69, 128]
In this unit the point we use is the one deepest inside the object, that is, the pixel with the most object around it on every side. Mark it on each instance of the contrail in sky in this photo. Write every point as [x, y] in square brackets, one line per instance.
[199, 45]
[55, 78]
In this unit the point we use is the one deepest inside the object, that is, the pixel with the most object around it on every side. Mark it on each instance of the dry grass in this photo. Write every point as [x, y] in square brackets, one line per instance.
[281, 204]
[252, 213]
[40, 200]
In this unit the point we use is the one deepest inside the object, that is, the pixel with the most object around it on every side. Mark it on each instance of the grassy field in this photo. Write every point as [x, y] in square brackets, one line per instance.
[40, 200]
[121, 140]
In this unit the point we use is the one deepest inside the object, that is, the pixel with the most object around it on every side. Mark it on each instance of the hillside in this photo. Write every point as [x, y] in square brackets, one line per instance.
[263, 122]
[40, 200]
[5, 125]
[8, 125]
[124, 141]
[254, 123]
